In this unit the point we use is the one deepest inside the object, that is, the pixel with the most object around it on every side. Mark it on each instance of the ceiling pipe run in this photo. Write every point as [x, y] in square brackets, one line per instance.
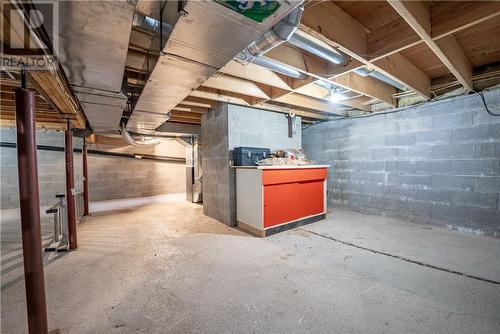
[150, 24]
[275, 36]
[286, 31]
[139, 143]
[278, 67]
[365, 71]
[325, 52]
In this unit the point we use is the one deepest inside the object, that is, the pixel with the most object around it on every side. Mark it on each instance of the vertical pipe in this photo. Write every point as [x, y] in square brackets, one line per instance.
[85, 180]
[70, 187]
[30, 211]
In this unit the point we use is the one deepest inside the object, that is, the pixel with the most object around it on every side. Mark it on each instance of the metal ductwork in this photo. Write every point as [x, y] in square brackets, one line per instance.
[150, 24]
[365, 71]
[319, 49]
[286, 31]
[278, 67]
[278, 34]
[275, 36]
[139, 143]
[196, 49]
[92, 51]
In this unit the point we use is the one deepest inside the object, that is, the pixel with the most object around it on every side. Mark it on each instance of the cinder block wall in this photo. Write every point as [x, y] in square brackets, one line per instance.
[110, 177]
[215, 147]
[259, 128]
[229, 126]
[117, 177]
[51, 168]
[437, 163]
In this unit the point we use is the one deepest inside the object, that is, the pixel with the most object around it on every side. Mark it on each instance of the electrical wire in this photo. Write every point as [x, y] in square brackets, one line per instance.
[486, 106]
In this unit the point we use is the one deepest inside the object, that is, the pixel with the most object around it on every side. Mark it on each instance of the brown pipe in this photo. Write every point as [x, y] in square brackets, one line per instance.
[85, 180]
[70, 187]
[30, 211]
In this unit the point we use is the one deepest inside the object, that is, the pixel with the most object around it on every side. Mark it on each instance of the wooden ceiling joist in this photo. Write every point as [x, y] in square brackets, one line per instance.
[255, 73]
[308, 102]
[196, 101]
[53, 90]
[409, 42]
[418, 16]
[397, 67]
[191, 108]
[329, 23]
[231, 98]
[367, 85]
[269, 84]
[318, 92]
[447, 17]
[237, 85]
[11, 123]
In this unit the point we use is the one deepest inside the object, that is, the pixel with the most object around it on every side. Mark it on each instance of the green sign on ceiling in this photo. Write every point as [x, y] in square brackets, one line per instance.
[254, 10]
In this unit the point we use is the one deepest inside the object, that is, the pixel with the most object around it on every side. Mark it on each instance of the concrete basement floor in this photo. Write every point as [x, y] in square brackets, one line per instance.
[166, 268]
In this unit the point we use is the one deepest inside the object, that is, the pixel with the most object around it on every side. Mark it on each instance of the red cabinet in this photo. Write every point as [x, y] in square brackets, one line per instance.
[290, 194]
[271, 199]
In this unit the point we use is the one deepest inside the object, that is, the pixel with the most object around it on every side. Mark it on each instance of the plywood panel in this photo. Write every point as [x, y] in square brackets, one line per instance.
[426, 60]
[448, 16]
[371, 14]
[481, 43]
[392, 37]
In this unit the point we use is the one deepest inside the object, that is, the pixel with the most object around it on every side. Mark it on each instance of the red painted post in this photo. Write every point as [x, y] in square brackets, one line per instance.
[85, 179]
[70, 187]
[30, 211]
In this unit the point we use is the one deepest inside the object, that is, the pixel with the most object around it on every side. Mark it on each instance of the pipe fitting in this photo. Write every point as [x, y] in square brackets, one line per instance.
[139, 143]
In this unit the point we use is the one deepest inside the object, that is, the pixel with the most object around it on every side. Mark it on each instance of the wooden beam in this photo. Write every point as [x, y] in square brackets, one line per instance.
[303, 101]
[299, 60]
[418, 15]
[196, 101]
[447, 17]
[315, 91]
[11, 123]
[186, 115]
[184, 120]
[51, 87]
[453, 56]
[193, 109]
[330, 21]
[397, 67]
[224, 97]
[330, 24]
[255, 73]
[367, 86]
[237, 85]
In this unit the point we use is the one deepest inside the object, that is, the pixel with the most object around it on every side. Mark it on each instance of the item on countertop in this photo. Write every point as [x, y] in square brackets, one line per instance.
[279, 154]
[288, 157]
[296, 154]
[282, 162]
[248, 156]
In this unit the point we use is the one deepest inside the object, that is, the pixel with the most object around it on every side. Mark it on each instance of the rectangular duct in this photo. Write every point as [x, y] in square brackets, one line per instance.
[205, 37]
[93, 39]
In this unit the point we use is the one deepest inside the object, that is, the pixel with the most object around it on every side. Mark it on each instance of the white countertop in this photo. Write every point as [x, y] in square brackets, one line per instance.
[282, 167]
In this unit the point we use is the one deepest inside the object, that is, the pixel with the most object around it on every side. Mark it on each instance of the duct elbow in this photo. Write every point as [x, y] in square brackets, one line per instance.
[139, 143]
[278, 34]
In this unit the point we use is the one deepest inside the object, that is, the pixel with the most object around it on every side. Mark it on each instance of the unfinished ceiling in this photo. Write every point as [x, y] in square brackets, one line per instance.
[345, 57]
[417, 48]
